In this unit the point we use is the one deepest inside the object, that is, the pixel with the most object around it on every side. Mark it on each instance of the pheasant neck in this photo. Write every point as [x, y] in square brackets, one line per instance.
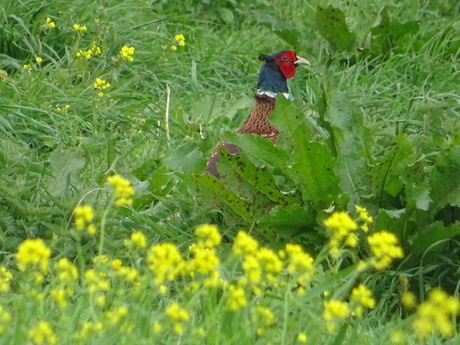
[257, 122]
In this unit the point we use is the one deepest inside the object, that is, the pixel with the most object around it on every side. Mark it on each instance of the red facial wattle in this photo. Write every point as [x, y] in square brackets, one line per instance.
[286, 63]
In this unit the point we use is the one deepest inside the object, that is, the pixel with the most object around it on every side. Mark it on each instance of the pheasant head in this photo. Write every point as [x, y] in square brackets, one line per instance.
[277, 68]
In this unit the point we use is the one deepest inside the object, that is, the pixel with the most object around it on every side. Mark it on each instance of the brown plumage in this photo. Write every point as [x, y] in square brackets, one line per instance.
[257, 122]
[272, 80]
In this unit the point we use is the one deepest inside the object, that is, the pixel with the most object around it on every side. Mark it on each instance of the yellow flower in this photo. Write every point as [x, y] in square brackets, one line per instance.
[302, 338]
[97, 281]
[42, 333]
[361, 296]
[204, 261]
[299, 263]
[38, 59]
[49, 24]
[244, 244]
[166, 262]
[173, 47]
[33, 253]
[335, 308]
[139, 239]
[101, 84]
[67, 272]
[342, 228]
[179, 38]
[157, 328]
[5, 319]
[409, 300]
[5, 278]
[124, 191]
[79, 27]
[61, 295]
[263, 316]
[26, 67]
[176, 313]
[236, 298]
[208, 235]
[116, 316]
[181, 43]
[84, 217]
[88, 328]
[126, 53]
[436, 314]
[385, 249]
[364, 216]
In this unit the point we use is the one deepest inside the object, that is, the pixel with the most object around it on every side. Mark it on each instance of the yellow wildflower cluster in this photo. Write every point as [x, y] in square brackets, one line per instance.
[166, 262]
[88, 329]
[33, 253]
[5, 278]
[49, 24]
[42, 333]
[385, 249]
[302, 338]
[300, 264]
[334, 310]
[343, 230]
[88, 54]
[178, 316]
[208, 236]
[236, 298]
[262, 318]
[79, 28]
[435, 314]
[137, 239]
[84, 219]
[5, 319]
[180, 39]
[39, 59]
[362, 298]
[126, 53]
[124, 191]
[363, 215]
[67, 275]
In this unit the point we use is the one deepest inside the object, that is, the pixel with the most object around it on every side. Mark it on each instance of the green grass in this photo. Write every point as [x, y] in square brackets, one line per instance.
[394, 107]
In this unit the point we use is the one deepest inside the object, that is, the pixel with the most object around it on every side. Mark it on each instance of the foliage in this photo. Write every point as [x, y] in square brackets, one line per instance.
[147, 89]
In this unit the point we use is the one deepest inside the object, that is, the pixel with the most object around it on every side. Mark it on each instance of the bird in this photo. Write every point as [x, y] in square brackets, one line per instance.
[277, 68]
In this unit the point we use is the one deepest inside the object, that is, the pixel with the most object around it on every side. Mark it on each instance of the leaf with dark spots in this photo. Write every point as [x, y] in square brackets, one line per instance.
[210, 184]
[330, 22]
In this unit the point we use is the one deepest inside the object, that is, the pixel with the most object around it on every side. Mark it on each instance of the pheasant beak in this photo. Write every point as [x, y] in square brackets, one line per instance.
[301, 61]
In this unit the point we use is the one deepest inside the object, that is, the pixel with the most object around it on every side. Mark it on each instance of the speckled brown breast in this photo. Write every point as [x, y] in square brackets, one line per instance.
[256, 123]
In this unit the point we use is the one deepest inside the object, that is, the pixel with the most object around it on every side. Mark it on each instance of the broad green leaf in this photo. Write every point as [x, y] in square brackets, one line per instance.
[348, 137]
[261, 179]
[435, 233]
[311, 163]
[445, 180]
[208, 184]
[65, 165]
[389, 33]
[330, 22]
[259, 150]
[186, 159]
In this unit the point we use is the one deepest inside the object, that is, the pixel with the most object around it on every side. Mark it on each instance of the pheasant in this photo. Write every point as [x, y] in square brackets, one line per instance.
[273, 76]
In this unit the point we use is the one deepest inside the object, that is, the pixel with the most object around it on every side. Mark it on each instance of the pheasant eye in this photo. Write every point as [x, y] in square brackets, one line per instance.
[284, 58]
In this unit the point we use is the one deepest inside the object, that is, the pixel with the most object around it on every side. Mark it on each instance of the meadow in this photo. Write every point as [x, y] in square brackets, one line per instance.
[345, 232]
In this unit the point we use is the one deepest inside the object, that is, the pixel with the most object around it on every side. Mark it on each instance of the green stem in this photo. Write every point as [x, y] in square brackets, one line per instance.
[103, 225]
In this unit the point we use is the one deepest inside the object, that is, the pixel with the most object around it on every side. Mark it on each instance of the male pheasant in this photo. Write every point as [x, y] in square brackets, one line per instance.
[273, 76]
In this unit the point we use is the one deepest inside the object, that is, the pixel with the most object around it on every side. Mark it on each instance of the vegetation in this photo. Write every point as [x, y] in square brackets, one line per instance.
[108, 114]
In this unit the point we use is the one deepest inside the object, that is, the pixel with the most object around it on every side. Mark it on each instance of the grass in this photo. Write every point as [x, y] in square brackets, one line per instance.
[60, 141]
